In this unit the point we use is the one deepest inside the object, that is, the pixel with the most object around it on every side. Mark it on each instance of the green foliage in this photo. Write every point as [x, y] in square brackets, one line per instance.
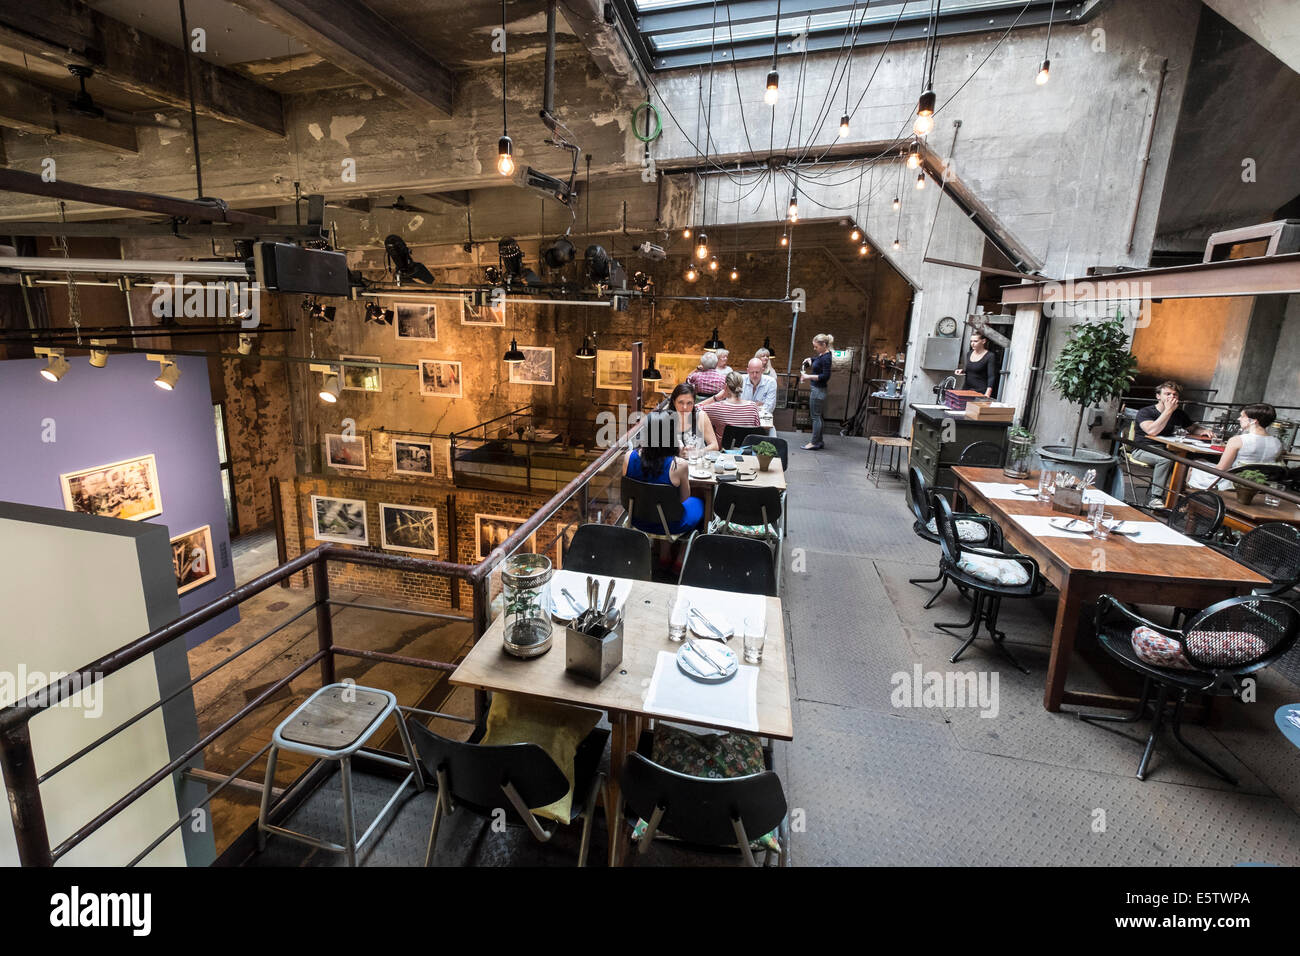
[765, 448]
[1021, 433]
[1094, 366]
[1250, 474]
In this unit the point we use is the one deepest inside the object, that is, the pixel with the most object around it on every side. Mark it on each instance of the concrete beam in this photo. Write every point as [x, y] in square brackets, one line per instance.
[70, 32]
[36, 109]
[1273, 24]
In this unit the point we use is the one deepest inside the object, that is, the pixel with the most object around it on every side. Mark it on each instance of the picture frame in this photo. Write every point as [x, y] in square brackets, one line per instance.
[614, 370]
[674, 367]
[473, 314]
[193, 559]
[415, 321]
[409, 528]
[537, 368]
[125, 489]
[340, 520]
[381, 444]
[441, 378]
[361, 378]
[346, 453]
[491, 530]
[413, 456]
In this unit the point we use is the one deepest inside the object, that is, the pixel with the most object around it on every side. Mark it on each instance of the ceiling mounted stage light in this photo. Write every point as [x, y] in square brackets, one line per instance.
[169, 372]
[914, 155]
[773, 90]
[404, 265]
[691, 274]
[56, 367]
[924, 113]
[245, 346]
[513, 356]
[702, 247]
[844, 125]
[642, 282]
[559, 254]
[375, 313]
[99, 356]
[329, 389]
[714, 343]
[1044, 72]
[650, 373]
[920, 180]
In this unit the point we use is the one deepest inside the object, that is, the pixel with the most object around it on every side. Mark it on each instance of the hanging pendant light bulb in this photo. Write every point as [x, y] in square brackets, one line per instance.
[1044, 72]
[585, 351]
[844, 125]
[513, 355]
[1045, 67]
[914, 155]
[505, 146]
[924, 113]
[686, 233]
[862, 249]
[691, 274]
[895, 244]
[794, 206]
[920, 180]
[897, 203]
[505, 156]
[713, 264]
[773, 88]
[785, 240]
[855, 235]
[702, 247]
[735, 276]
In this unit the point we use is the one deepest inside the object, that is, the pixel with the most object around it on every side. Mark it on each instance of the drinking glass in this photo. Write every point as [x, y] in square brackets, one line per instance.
[1180, 433]
[1044, 485]
[677, 624]
[1100, 529]
[755, 633]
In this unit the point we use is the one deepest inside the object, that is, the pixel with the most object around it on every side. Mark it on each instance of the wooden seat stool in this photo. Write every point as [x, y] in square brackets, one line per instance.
[333, 724]
[892, 443]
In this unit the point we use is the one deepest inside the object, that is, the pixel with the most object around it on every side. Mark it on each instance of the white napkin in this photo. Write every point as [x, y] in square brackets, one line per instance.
[1040, 526]
[1001, 491]
[575, 582]
[732, 704]
[1153, 532]
[1096, 494]
[720, 606]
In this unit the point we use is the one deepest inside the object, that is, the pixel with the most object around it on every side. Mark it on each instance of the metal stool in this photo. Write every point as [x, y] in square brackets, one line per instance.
[333, 724]
[891, 442]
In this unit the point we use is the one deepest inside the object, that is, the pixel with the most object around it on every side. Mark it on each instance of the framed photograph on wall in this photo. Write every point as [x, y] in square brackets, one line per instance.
[473, 314]
[125, 489]
[193, 560]
[614, 370]
[416, 321]
[408, 528]
[361, 378]
[381, 444]
[674, 367]
[347, 452]
[440, 378]
[341, 520]
[492, 530]
[537, 368]
[412, 456]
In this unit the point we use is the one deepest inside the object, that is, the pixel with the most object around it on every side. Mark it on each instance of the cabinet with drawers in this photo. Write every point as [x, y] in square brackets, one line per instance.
[933, 455]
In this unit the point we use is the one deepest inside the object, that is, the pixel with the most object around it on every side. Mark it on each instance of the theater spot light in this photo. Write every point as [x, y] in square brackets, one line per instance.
[329, 388]
[377, 314]
[56, 367]
[99, 356]
[773, 90]
[169, 372]
[513, 355]
[245, 346]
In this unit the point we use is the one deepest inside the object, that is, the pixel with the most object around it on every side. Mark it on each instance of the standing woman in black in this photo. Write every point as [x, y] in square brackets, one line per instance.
[816, 371]
[981, 366]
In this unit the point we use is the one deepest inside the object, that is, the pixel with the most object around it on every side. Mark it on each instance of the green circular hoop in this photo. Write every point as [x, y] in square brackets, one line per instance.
[659, 126]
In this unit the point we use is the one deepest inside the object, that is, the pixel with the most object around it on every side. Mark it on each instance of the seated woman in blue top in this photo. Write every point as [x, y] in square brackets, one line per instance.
[655, 462]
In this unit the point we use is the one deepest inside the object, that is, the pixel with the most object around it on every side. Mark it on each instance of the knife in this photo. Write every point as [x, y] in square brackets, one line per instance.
[572, 603]
[709, 624]
[690, 641]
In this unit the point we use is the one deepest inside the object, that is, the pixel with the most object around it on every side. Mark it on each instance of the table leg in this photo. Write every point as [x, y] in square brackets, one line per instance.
[1177, 478]
[625, 731]
[1068, 605]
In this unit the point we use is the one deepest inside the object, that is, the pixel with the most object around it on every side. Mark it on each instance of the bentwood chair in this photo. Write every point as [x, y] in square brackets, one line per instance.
[654, 509]
[510, 779]
[703, 811]
[607, 549]
[982, 454]
[973, 527]
[991, 574]
[1217, 648]
[751, 513]
[728, 563]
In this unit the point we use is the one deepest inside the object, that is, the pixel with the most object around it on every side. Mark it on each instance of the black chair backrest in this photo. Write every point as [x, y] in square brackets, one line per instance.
[782, 447]
[733, 436]
[652, 505]
[728, 563]
[606, 549]
[739, 504]
[701, 809]
[1274, 622]
[946, 525]
[982, 453]
[1197, 515]
[920, 489]
[477, 773]
[1273, 550]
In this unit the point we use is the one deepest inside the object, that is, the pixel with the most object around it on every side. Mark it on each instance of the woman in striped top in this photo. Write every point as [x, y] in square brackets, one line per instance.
[730, 410]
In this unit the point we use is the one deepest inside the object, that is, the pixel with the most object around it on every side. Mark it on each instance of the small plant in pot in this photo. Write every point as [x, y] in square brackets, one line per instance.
[1020, 452]
[765, 451]
[1247, 495]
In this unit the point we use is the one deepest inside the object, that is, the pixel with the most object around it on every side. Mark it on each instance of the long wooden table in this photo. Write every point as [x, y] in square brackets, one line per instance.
[1082, 568]
[774, 477]
[622, 695]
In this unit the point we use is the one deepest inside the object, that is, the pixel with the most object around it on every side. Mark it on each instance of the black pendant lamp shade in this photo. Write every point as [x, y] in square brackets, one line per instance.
[714, 343]
[585, 351]
[650, 373]
[767, 344]
[513, 355]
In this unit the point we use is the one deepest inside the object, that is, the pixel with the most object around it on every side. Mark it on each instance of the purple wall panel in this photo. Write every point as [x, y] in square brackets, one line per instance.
[102, 415]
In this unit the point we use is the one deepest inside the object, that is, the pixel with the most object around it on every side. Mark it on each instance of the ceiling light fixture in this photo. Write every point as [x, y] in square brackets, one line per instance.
[772, 91]
[767, 347]
[505, 146]
[1045, 68]
[513, 356]
[855, 234]
[844, 126]
[713, 263]
[686, 233]
[924, 121]
[793, 211]
[785, 239]
[862, 249]
[914, 155]
[702, 247]
[56, 367]
[920, 180]
[329, 388]
[169, 371]
[897, 203]
[650, 373]
[714, 343]
[99, 356]
[924, 113]
[691, 274]
[895, 244]
[585, 351]
[735, 276]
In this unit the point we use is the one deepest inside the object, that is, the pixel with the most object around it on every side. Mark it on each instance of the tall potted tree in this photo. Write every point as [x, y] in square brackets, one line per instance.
[1095, 366]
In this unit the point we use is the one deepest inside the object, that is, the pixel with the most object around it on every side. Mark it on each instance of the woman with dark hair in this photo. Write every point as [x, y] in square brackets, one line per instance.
[695, 430]
[655, 462]
[981, 368]
[1253, 445]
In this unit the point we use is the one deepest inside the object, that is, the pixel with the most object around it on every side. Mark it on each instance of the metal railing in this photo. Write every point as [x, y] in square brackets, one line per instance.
[519, 450]
[592, 489]
[1235, 478]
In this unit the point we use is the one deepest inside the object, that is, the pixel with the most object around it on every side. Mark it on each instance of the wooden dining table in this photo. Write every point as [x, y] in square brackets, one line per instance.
[1243, 518]
[1178, 476]
[1082, 568]
[623, 694]
[705, 487]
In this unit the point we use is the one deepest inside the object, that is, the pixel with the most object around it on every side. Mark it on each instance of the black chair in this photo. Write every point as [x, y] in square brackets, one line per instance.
[703, 811]
[1136, 472]
[607, 549]
[734, 436]
[924, 526]
[1273, 550]
[728, 563]
[1198, 515]
[988, 594]
[1217, 672]
[513, 778]
[747, 512]
[653, 506]
[982, 454]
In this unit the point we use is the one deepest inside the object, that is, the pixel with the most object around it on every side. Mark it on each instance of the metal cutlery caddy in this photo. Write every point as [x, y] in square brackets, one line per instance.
[594, 656]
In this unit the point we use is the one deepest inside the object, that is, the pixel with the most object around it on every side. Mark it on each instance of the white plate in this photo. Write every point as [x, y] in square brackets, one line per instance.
[1072, 525]
[1027, 492]
[721, 623]
[694, 668]
[729, 464]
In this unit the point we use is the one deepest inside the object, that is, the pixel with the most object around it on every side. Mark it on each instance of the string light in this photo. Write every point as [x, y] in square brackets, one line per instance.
[702, 247]
[844, 126]
[920, 180]
[1045, 68]
[914, 155]
[691, 274]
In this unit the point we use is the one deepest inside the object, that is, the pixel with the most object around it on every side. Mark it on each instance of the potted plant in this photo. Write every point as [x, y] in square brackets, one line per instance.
[1095, 366]
[765, 451]
[1247, 495]
[1020, 452]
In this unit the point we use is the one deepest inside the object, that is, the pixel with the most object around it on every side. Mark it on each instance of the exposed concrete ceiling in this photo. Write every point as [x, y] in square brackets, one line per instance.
[1273, 24]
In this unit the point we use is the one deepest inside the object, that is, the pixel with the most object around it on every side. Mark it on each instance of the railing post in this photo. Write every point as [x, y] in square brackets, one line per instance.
[324, 619]
[18, 765]
[482, 607]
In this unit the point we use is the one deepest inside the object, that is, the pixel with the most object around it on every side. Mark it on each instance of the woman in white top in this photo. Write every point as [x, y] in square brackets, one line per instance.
[694, 429]
[1253, 446]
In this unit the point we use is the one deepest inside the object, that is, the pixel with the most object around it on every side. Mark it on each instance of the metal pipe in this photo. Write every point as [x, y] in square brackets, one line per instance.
[18, 766]
[395, 659]
[204, 210]
[548, 89]
[125, 266]
[1146, 153]
[324, 621]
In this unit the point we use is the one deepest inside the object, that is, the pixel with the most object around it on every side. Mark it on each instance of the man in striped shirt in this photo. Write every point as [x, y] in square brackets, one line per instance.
[708, 381]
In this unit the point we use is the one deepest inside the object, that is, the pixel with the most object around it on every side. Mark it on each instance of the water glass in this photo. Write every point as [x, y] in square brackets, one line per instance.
[1100, 526]
[1044, 485]
[677, 624]
[755, 633]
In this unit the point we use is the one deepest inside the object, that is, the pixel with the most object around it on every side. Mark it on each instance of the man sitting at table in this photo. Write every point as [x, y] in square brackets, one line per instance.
[1161, 419]
[758, 388]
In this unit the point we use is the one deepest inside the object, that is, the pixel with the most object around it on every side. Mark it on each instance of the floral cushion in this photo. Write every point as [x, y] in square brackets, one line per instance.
[717, 756]
[967, 530]
[1158, 650]
[1004, 571]
[1218, 648]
